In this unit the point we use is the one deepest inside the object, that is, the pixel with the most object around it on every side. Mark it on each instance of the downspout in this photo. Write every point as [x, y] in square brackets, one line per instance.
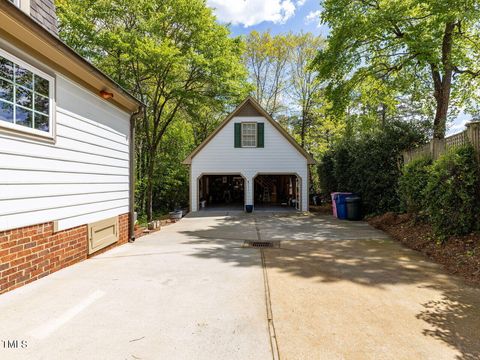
[131, 206]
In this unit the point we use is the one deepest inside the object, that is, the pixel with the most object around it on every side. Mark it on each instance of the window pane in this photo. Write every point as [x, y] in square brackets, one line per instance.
[6, 69]
[249, 132]
[23, 77]
[41, 85]
[6, 112]
[41, 103]
[41, 122]
[23, 117]
[6, 90]
[24, 97]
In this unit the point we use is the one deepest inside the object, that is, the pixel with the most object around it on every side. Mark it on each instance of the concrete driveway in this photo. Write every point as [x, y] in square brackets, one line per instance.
[333, 290]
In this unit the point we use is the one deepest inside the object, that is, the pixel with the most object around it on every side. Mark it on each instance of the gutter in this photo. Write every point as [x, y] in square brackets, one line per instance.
[131, 205]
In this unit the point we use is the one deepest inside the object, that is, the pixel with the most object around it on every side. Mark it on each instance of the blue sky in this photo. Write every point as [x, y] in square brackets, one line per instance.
[282, 16]
[278, 16]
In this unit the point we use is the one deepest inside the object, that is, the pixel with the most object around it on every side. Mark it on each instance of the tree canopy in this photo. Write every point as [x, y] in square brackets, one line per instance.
[407, 50]
[171, 54]
[385, 62]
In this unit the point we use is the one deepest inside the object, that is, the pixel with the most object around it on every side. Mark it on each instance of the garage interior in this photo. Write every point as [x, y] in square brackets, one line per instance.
[221, 191]
[276, 191]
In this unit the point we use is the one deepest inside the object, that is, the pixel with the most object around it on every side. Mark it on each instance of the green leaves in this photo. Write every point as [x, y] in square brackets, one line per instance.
[401, 43]
[267, 59]
[412, 184]
[367, 164]
[174, 57]
[445, 191]
[451, 193]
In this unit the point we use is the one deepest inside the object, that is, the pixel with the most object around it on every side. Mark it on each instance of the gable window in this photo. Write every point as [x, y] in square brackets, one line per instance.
[26, 97]
[249, 134]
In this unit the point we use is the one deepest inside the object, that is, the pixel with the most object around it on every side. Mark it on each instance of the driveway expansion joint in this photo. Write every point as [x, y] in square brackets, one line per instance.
[268, 302]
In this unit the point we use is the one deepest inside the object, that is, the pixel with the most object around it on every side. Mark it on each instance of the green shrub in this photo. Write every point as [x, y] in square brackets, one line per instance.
[451, 193]
[326, 174]
[344, 158]
[368, 164]
[412, 184]
[374, 173]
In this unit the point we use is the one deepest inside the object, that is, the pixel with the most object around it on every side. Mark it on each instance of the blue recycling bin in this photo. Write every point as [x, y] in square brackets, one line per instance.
[341, 205]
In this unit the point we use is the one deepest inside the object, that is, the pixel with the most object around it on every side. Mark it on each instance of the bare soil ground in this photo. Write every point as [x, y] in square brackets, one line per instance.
[459, 255]
[142, 230]
[325, 209]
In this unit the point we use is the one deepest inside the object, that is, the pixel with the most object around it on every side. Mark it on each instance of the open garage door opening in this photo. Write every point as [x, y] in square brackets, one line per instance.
[277, 191]
[221, 192]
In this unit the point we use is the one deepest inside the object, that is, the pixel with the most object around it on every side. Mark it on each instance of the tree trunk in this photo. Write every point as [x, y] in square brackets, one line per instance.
[302, 132]
[443, 84]
[442, 98]
[149, 187]
[384, 115]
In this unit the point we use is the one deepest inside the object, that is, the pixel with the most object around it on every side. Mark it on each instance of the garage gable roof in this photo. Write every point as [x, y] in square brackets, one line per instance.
[250, 107]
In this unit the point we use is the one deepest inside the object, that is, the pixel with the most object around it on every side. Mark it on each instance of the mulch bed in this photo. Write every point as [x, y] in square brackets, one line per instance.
[459, 255]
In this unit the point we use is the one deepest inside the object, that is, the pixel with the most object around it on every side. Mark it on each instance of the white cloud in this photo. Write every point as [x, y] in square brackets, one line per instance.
[301, 2]
[313, 16]
[253, 12]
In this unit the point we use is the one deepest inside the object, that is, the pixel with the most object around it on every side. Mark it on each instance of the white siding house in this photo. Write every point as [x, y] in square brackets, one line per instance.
[66, 153]
[272, 154]
[81, 177]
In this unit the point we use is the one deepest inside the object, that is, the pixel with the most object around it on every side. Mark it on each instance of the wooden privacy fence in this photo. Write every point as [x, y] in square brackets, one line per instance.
[437, 147]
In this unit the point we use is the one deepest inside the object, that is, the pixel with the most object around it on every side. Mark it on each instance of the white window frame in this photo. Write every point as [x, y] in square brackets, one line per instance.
[256, 135]
[23, 5]
[51, 100]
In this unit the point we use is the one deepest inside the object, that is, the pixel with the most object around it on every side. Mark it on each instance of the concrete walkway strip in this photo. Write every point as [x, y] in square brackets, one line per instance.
[52, 325]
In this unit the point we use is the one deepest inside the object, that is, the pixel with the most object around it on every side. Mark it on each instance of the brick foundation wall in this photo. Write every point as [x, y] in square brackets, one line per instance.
[32, 252]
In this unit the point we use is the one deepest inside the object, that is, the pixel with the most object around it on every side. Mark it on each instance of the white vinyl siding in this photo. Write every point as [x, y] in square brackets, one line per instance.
[82, 178]
[278, 156]
[249, 134]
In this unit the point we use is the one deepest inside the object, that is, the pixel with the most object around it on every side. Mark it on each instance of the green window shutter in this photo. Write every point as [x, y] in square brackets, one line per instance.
[260, 135]
[238, 135]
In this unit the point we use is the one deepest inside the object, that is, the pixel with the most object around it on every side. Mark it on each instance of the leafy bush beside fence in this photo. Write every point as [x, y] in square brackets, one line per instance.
[446, 191]
[368, 165]
[412, 185]
[452, 192]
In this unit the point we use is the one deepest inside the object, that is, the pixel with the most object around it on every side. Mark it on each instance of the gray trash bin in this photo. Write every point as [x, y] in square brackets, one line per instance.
[354, 207]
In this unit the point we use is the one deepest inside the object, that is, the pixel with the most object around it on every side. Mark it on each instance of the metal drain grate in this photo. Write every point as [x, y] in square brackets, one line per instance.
[262, 244]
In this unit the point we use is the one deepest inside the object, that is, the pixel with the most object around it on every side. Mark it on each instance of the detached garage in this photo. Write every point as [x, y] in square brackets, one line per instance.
[249, 160]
